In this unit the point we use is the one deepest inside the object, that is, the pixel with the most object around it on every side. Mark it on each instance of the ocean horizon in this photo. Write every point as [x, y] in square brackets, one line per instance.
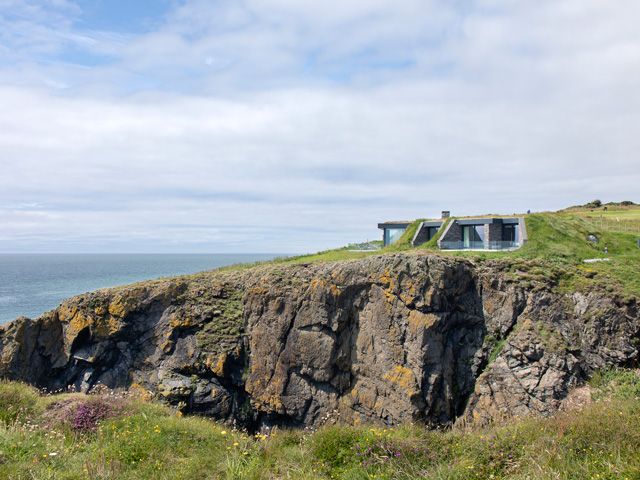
[32, 284]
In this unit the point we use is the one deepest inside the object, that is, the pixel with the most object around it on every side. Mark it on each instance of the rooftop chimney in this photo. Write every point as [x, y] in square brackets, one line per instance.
[446, 214]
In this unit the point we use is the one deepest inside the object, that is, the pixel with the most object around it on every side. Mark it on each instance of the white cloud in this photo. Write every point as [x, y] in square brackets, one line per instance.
[287, 126]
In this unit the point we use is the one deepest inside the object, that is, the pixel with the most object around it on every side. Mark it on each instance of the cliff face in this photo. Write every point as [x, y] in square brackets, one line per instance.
[388, 339]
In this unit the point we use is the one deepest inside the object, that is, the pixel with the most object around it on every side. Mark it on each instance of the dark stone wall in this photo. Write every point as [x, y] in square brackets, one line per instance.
[454, 234]
[493, 232]
[422, 236]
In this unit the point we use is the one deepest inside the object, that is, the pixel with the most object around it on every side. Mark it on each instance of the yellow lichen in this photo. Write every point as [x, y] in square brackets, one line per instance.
[402, 377]
[140, 392]
[389, 292]
[67, 311]
[408, 292]
[117, 308]
[75, 325]
[317, 283]
[124, 302]
[177, 321]
[218, 367]
[385, 278]
[419, 321]
[258, 290]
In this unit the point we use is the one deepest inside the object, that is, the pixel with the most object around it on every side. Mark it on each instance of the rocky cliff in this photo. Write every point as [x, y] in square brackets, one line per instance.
[391, 338]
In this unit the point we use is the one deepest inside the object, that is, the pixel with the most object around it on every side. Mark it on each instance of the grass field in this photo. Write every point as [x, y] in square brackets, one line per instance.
[109, 437]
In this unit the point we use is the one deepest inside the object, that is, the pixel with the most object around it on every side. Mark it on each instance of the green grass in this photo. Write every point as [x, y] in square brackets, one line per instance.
[618, 383]
[148, 441]
[17, 402]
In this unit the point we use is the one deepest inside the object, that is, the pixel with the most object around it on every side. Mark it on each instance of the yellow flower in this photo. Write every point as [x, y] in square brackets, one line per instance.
[223, 432]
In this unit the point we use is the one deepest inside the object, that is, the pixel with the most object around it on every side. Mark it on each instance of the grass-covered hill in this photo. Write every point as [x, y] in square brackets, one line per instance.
[557, 248]
[106, 436]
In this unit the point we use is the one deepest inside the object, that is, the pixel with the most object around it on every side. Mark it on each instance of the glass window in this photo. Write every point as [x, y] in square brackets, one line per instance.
[392, 235]
[509, 233]
[431, 232]
[473, 236]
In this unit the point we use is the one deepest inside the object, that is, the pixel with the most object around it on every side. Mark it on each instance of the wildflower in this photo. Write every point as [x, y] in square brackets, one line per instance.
[53, 454]
[235, 444]
[223, 432]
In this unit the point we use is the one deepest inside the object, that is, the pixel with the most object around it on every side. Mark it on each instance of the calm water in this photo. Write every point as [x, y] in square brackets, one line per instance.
[33, 284]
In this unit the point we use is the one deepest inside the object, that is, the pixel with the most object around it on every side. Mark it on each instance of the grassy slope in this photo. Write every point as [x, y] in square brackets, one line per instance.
[147, 441]
[557, 241]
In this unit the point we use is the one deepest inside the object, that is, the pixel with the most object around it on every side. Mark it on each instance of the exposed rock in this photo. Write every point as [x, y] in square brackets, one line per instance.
[388, 339]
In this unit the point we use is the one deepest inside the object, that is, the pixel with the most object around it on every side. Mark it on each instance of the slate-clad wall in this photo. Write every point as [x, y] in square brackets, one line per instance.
[454, 234]
[421, 235]
[493, 232]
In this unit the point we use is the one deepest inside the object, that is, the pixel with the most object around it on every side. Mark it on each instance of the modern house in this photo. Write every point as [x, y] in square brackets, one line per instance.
[486, 233]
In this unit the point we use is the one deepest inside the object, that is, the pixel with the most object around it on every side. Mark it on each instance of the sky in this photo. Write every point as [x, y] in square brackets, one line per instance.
[290, 126]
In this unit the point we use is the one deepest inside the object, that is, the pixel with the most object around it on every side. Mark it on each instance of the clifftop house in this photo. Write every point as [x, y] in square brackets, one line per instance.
[469, 233]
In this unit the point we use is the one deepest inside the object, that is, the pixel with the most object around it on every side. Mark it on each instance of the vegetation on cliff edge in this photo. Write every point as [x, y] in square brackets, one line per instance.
[557, 245]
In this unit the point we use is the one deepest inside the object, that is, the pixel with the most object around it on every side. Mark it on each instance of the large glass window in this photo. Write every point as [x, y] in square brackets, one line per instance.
[431, 232]
[473, 236]
[392, 235]
[510, 234]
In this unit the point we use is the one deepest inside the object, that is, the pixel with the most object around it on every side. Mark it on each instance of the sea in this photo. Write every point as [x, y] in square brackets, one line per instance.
[31, 284]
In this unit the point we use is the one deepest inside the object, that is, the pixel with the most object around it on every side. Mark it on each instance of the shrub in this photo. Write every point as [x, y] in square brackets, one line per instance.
[87, 415]
[17, 402]
[335, 446]
[83, 415]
